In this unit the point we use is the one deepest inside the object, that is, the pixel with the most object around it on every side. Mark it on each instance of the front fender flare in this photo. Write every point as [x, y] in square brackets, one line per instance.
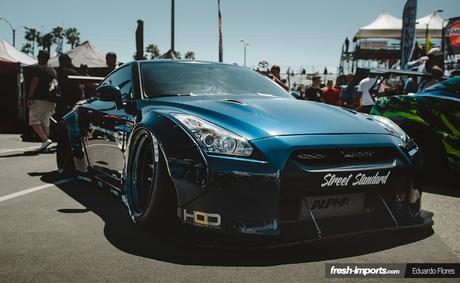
[185, 162]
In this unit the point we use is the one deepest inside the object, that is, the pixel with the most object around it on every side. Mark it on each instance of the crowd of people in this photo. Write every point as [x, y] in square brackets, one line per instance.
[52, 91]
[330, 93]
[358, 96]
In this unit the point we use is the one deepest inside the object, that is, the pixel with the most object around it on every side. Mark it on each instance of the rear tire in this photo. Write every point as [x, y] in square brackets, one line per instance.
[151, 196]
[64, 156]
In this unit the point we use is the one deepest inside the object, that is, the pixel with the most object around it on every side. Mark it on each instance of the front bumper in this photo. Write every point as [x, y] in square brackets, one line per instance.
[267, 198]
[295, 235]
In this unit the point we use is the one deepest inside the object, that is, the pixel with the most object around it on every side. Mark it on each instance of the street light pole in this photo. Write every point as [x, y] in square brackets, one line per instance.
[12, 29]
[245, 44]
[172, 24]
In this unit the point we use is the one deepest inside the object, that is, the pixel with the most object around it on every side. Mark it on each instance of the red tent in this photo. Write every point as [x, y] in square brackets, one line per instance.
[11, 108]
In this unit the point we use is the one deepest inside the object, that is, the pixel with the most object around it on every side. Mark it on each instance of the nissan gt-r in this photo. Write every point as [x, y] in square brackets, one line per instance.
[221, 148]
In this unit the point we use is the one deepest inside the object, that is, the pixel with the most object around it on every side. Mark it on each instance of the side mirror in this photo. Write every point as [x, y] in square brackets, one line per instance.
[296, 94]
[110, 93]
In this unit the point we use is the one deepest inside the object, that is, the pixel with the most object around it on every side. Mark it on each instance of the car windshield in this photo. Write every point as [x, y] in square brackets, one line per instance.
[196, 78]
[450, 87]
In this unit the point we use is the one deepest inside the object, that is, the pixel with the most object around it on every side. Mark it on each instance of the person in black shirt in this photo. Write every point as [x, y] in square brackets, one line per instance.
[111, 61]
[39, 99]
[313, 93]
[70, 91]
[275, 75]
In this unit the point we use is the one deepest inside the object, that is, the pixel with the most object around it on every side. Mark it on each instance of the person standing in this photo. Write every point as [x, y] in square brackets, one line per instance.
[111, 61]
[88, 88]
[434, 65]
[69, 89]
[366, 102]
[275, 75]
[39, 99]
[330, 94]
[348, 93]
[313, 93]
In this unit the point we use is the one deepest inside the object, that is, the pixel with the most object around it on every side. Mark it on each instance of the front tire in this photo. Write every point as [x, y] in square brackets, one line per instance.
[151, 196]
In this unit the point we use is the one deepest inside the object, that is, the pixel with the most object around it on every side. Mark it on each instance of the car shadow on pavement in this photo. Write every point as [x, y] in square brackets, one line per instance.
[443, 185]
[28, 153]
[120, 231]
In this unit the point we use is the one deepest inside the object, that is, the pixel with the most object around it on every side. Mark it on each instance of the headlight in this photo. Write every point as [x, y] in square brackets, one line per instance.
[214, 138]
[391, 127]
[409, 145]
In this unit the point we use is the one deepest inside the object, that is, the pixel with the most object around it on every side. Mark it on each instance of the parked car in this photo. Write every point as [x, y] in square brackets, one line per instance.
[432, 119]
[222, 148]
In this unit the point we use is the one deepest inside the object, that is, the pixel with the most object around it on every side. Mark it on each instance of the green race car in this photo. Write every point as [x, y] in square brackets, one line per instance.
[432, 118]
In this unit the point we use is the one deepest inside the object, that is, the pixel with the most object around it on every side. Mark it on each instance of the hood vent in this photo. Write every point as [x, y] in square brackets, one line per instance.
[235, 101]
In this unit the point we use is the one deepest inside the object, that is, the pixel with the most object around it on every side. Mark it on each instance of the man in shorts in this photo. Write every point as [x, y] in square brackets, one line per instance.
[39, 99]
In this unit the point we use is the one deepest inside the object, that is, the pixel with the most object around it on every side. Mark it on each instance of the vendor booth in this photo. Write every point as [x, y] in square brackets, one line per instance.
[378, 43]
[87, 54]
[11, 108]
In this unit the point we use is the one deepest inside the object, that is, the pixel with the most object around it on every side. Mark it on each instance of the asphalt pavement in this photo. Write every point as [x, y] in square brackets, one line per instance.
[54, 229]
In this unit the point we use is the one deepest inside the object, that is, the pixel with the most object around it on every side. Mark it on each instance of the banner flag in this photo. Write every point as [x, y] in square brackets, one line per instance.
[408, 32]
[427, 41]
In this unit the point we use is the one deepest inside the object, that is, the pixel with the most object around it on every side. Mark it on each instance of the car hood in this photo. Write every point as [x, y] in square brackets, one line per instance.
[255, 117]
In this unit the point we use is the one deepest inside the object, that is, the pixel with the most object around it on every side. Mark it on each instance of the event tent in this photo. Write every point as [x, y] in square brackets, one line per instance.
[85, 53]
[10, 55]
[435, 25]
[388, 26]
[384, 26]
[11, 61]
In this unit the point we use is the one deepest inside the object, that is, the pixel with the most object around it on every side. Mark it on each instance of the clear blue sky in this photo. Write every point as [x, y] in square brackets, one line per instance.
[290, 32]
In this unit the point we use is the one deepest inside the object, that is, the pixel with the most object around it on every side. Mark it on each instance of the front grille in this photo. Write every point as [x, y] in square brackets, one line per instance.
[321, 207]
[294, 209]
[343, 156]
[303, 195]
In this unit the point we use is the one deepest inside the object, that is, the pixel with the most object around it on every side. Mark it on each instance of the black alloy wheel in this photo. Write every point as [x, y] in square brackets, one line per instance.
[150, 194]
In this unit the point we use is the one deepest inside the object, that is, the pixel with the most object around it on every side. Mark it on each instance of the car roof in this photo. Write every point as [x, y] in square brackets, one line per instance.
[185, 61]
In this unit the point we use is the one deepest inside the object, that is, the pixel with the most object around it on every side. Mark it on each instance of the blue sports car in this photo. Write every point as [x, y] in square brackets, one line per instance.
[222, 148]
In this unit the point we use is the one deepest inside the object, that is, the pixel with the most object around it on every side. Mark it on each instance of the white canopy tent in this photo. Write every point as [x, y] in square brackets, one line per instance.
[10, 54]
[85, 53]
[435, 25]
[388, 26]
[384, 26]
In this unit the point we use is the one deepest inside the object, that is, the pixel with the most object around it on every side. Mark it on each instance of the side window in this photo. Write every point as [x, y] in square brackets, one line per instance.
[123, 80]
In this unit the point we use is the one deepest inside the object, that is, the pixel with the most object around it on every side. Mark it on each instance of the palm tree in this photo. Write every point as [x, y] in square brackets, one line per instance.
[27, 48]
[73, 37]
[177, 54]
[189, 55]
[153, 50]
[58, 33]
[58, 37]
[33, 36]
